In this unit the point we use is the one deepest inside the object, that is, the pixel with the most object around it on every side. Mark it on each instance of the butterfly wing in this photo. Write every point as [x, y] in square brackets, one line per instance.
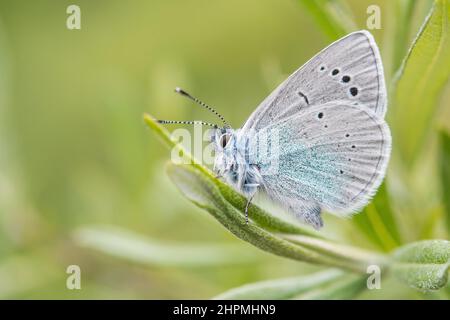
[349, 69]
[329, 157]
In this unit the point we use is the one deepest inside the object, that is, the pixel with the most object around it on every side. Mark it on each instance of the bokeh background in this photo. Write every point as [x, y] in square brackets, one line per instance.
[82, 180]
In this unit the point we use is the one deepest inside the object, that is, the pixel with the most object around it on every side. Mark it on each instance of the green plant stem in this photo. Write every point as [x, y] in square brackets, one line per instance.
[351, 255]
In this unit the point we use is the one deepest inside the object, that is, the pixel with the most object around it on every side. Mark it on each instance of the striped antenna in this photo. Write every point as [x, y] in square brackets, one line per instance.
[204, 105]
[188, 122]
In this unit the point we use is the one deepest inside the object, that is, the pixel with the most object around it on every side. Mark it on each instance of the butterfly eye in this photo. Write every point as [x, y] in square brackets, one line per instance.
[224, 139]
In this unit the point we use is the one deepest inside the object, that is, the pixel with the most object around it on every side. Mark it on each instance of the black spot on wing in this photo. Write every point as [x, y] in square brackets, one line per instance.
[353, 91]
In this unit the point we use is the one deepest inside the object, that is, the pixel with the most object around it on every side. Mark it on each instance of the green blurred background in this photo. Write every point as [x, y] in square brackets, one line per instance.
[79, 172]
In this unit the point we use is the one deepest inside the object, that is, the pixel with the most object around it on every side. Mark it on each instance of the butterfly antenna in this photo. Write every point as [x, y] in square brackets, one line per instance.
[188, 122]
[204, 105]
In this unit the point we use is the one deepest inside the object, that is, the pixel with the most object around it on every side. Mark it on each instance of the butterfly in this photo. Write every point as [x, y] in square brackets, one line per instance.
[319, 141]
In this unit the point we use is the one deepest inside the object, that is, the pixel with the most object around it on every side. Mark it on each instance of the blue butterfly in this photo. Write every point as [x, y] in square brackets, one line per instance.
[319, 142]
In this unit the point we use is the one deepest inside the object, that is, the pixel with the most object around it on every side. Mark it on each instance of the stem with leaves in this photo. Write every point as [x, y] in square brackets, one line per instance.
[271, 234]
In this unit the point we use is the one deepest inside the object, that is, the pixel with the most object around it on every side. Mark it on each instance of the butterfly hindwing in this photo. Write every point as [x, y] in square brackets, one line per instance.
[332, 156]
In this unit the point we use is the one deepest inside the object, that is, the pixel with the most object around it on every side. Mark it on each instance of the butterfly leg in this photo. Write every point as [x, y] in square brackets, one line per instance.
[246, 208]
[252, 186]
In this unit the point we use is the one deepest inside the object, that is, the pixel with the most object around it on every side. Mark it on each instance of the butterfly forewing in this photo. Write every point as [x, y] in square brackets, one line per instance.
[349, 69]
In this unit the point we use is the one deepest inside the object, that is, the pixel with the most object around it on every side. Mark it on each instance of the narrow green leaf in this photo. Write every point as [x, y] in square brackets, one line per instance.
[166, 138]
[445, 173]
[420, 81]
[144, 250]
[285, 288]
[338, 251]
[378, 222]
[332, 17]
[423, 265]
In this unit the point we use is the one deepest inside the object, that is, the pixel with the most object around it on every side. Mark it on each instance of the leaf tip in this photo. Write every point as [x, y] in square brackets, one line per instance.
[148, 119]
